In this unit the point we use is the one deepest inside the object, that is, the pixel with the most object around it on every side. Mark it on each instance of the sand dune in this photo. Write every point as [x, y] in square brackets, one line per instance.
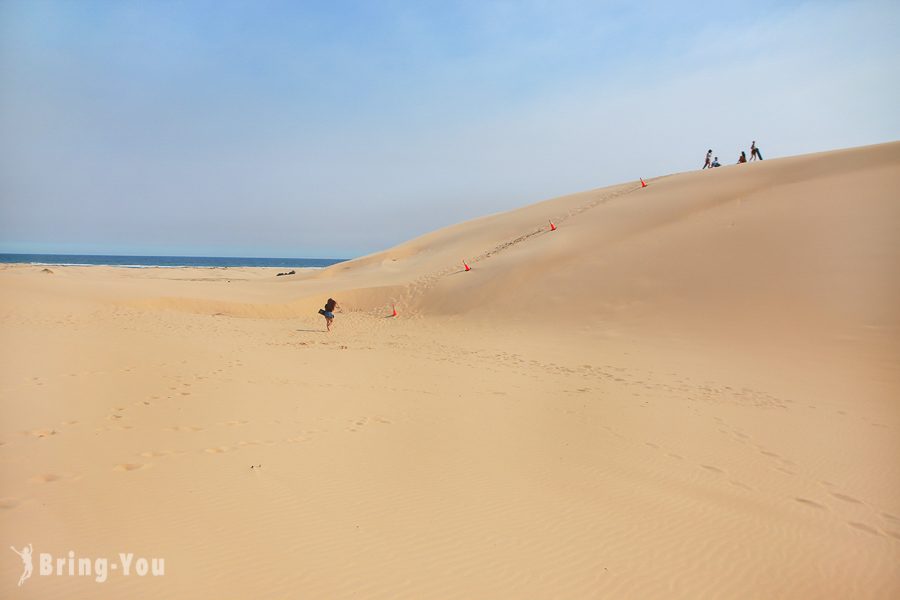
[687, 390]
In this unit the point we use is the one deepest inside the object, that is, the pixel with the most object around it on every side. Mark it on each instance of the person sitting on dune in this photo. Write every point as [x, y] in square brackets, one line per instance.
[716, 163]
[328, 312]
[742, 158]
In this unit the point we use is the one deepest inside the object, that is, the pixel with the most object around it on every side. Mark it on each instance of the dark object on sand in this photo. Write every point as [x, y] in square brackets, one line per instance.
[291, 272]
[47, 271]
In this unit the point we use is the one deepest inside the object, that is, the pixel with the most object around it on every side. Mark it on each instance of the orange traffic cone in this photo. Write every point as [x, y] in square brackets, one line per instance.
[643, 183]
[394, 309]
[552, 226]
[468, 268]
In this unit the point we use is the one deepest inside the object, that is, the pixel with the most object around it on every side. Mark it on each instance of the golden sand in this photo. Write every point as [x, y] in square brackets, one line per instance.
[688, 390]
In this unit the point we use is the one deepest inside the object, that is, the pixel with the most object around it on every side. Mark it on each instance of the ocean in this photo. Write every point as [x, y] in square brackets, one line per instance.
[166, 261]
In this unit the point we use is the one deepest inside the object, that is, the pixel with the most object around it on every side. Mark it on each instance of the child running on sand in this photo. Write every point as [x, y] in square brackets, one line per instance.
[328, 312]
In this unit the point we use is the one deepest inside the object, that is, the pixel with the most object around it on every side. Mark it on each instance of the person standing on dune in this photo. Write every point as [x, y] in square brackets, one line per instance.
[328, 312]
[708, 163]
[754, 152]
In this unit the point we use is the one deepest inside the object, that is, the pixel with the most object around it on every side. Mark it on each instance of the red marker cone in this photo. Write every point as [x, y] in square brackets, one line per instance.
[643, 183]
[394, 309]
[468, 268]
[552, 226]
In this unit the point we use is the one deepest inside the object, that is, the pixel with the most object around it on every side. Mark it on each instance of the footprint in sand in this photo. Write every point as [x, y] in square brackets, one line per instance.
[713, 469]
[40, 433]
[9, 503]
[217, 450]
[811, 503]
[46, 478]
[156, 453]
[130, 467]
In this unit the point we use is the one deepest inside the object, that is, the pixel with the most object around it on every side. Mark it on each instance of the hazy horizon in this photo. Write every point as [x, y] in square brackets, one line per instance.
[280, 130]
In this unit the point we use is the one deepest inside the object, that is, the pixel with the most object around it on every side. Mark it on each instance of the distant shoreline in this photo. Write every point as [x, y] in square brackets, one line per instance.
[143, 262]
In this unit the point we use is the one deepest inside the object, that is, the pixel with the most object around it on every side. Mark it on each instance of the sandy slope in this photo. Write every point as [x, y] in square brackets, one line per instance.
[686, 391]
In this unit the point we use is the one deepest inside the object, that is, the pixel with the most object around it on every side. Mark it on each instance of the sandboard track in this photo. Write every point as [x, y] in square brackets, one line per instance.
[423, 283]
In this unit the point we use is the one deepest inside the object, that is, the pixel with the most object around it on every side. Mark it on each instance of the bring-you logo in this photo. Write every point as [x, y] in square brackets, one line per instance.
[100, 568]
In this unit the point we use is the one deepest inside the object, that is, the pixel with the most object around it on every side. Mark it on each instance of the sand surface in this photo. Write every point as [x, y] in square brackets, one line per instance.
[690, 390]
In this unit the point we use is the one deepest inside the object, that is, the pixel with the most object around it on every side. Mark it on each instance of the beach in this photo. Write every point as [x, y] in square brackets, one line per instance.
[688, 390]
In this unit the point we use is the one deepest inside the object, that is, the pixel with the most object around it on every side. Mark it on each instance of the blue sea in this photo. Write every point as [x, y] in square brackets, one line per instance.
[166, 261]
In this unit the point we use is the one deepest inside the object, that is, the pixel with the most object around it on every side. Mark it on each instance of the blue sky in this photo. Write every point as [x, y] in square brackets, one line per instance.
[337, 129]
